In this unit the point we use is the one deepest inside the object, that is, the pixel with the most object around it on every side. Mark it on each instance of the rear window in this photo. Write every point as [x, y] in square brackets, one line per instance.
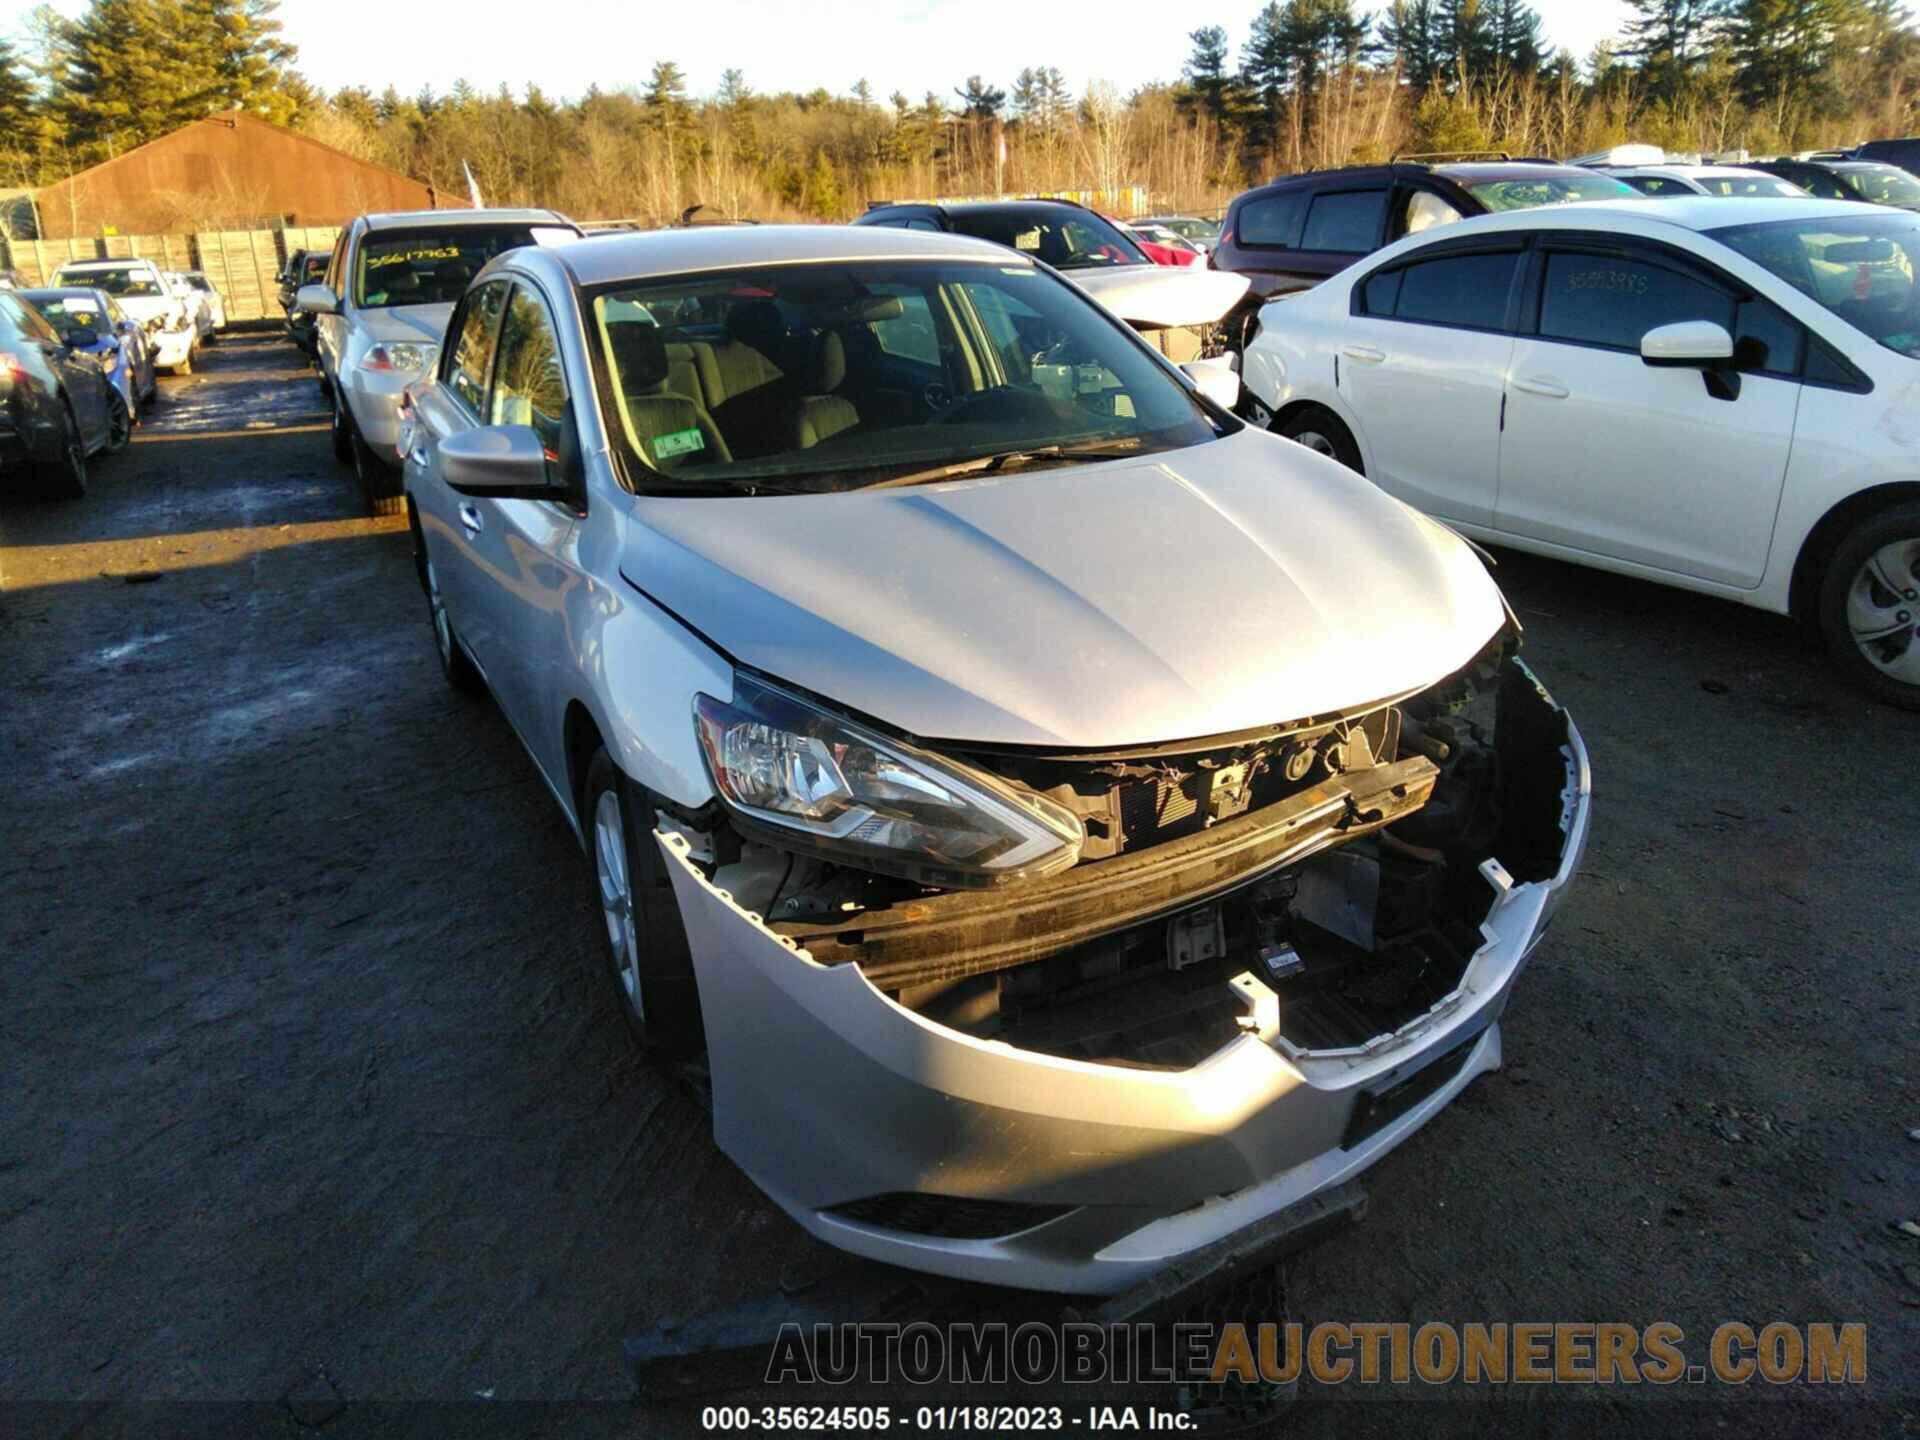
[430, 267]
[1347, 221]
[122, 281]
[1530, 192]
[1070, 241]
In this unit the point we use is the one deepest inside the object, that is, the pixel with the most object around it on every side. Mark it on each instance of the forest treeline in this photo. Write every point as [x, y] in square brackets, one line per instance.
[1300, 84]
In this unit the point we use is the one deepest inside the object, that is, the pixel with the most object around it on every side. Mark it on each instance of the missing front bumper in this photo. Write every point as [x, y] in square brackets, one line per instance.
[827, 1091]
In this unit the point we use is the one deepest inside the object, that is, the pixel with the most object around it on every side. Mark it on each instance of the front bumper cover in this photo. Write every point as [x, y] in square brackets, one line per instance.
[826, 1091]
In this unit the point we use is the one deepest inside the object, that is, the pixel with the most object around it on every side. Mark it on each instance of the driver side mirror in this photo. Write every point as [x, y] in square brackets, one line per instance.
[1695, 345]
[316, 300]
[502, 462]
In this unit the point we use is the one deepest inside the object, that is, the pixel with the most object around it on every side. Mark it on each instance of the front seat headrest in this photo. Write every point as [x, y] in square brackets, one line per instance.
[757, 323]
[827, 366]
[639, 353]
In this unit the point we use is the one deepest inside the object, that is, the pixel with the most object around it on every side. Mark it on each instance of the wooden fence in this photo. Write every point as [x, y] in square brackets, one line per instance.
[243, 265]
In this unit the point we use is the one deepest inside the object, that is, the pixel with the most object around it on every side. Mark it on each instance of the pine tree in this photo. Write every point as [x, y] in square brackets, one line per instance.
[1210, 88]
[16, 100]
[1410, 31]
[1516, 35]
[1668, 38]
[979, 100]
[1781, 49]
[1468, 43]
[1266, 73]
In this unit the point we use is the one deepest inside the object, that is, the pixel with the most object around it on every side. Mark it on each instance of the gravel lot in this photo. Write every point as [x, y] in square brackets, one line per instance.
[314, 1093]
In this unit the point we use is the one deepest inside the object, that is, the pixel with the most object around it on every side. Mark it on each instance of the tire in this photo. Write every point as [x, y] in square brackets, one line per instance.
[1870, 605]
[66, 478]
[459, 670]
[1322, 432]
[650, 965]
[119, 422]
[381, 486]
[342, 427]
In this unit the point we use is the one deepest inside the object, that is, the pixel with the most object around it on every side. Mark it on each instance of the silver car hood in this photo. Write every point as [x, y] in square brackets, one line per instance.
[407, 324]
[1240, 583]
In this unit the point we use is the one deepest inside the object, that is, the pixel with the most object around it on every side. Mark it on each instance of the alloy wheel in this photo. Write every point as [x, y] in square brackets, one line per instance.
[1317, 442]
[1883, 610]
[616, 893]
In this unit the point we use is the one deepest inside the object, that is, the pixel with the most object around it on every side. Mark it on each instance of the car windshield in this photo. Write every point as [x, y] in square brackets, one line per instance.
[1769, 187]
[1883, 184]
[1535, 190]
[1071, 240]
[428, 267]
[837, 376]
[1861, 269]
[67, 312]
[122, 281]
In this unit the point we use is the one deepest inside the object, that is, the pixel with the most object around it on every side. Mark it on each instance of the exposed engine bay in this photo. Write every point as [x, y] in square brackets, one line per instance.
[1333, 865]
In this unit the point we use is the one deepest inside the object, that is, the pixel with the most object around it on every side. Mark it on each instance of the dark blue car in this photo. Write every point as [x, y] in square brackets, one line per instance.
[119, 343]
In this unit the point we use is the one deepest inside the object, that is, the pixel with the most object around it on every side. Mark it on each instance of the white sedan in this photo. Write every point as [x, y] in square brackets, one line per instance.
[1719, 394]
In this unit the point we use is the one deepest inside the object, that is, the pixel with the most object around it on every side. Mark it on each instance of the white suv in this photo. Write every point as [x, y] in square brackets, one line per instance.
[380, 313]
[1713, 393]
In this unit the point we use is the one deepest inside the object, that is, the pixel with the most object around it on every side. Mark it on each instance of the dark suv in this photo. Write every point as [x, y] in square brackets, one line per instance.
[1904, 153]
[1063, 233]
[1844, 178]
[1294, 233]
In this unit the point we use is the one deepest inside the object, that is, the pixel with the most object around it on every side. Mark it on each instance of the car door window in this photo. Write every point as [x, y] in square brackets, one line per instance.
[529, 383]
[1467, 292]
[1274, 220]
[33, 324]
[1766, 340]
[1346, 221]
[1613, 300]
[477, 325]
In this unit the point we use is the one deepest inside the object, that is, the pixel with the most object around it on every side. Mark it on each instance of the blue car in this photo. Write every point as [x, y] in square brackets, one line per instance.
[119, 343]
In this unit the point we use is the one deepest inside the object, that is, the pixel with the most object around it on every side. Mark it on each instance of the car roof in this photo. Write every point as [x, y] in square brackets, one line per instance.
[413, 219]
[1683, 212]
[56, 292]
[1684, 172]
[1482, 172]
[114, 262]
[598, 260]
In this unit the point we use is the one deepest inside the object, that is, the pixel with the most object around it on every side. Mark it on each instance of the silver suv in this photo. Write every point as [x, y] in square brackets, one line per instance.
[1076, 825]
[380, 312]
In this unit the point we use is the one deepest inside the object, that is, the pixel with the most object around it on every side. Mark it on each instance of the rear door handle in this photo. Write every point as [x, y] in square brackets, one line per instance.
[1365, 354]
[470, 519]
[1542, 385]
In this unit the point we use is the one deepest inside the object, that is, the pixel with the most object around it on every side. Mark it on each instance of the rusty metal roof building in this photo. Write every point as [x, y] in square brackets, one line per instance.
[229, 171]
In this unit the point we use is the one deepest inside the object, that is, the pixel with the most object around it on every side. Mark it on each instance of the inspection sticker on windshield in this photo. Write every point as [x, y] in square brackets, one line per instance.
[679, 442]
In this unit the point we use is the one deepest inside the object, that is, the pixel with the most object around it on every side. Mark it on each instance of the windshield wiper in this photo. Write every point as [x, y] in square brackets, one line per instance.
[993, 464]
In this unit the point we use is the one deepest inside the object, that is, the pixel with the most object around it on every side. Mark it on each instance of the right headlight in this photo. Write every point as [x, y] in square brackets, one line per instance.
[833, 786]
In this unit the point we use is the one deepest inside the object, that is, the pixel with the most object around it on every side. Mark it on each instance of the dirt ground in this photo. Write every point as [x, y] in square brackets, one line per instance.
[315, 1096]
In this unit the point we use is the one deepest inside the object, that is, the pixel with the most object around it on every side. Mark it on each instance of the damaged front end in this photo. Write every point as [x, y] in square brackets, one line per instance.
[1277, 955]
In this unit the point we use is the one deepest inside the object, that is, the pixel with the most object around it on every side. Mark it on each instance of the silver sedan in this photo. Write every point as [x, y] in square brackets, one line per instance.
[1075, 825]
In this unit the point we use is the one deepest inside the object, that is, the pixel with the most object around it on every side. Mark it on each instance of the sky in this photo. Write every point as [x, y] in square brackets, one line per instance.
[909, 45]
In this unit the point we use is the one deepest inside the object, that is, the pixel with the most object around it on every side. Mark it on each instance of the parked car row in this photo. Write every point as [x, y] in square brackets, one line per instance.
[66, 394]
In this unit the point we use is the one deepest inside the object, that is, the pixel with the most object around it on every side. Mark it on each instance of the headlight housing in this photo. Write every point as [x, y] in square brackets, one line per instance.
[413, 359]
[782, 763]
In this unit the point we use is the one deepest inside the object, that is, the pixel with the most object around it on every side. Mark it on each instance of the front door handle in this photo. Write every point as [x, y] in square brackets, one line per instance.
[1544, 386]
[470, 519]
[1365, 354]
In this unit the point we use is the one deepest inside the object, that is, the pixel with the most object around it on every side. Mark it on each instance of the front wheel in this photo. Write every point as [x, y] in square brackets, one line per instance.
[380, 483]
[641, 934]
[1870, 606]
[454, 663]
[1322, 432]
[119, 421]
